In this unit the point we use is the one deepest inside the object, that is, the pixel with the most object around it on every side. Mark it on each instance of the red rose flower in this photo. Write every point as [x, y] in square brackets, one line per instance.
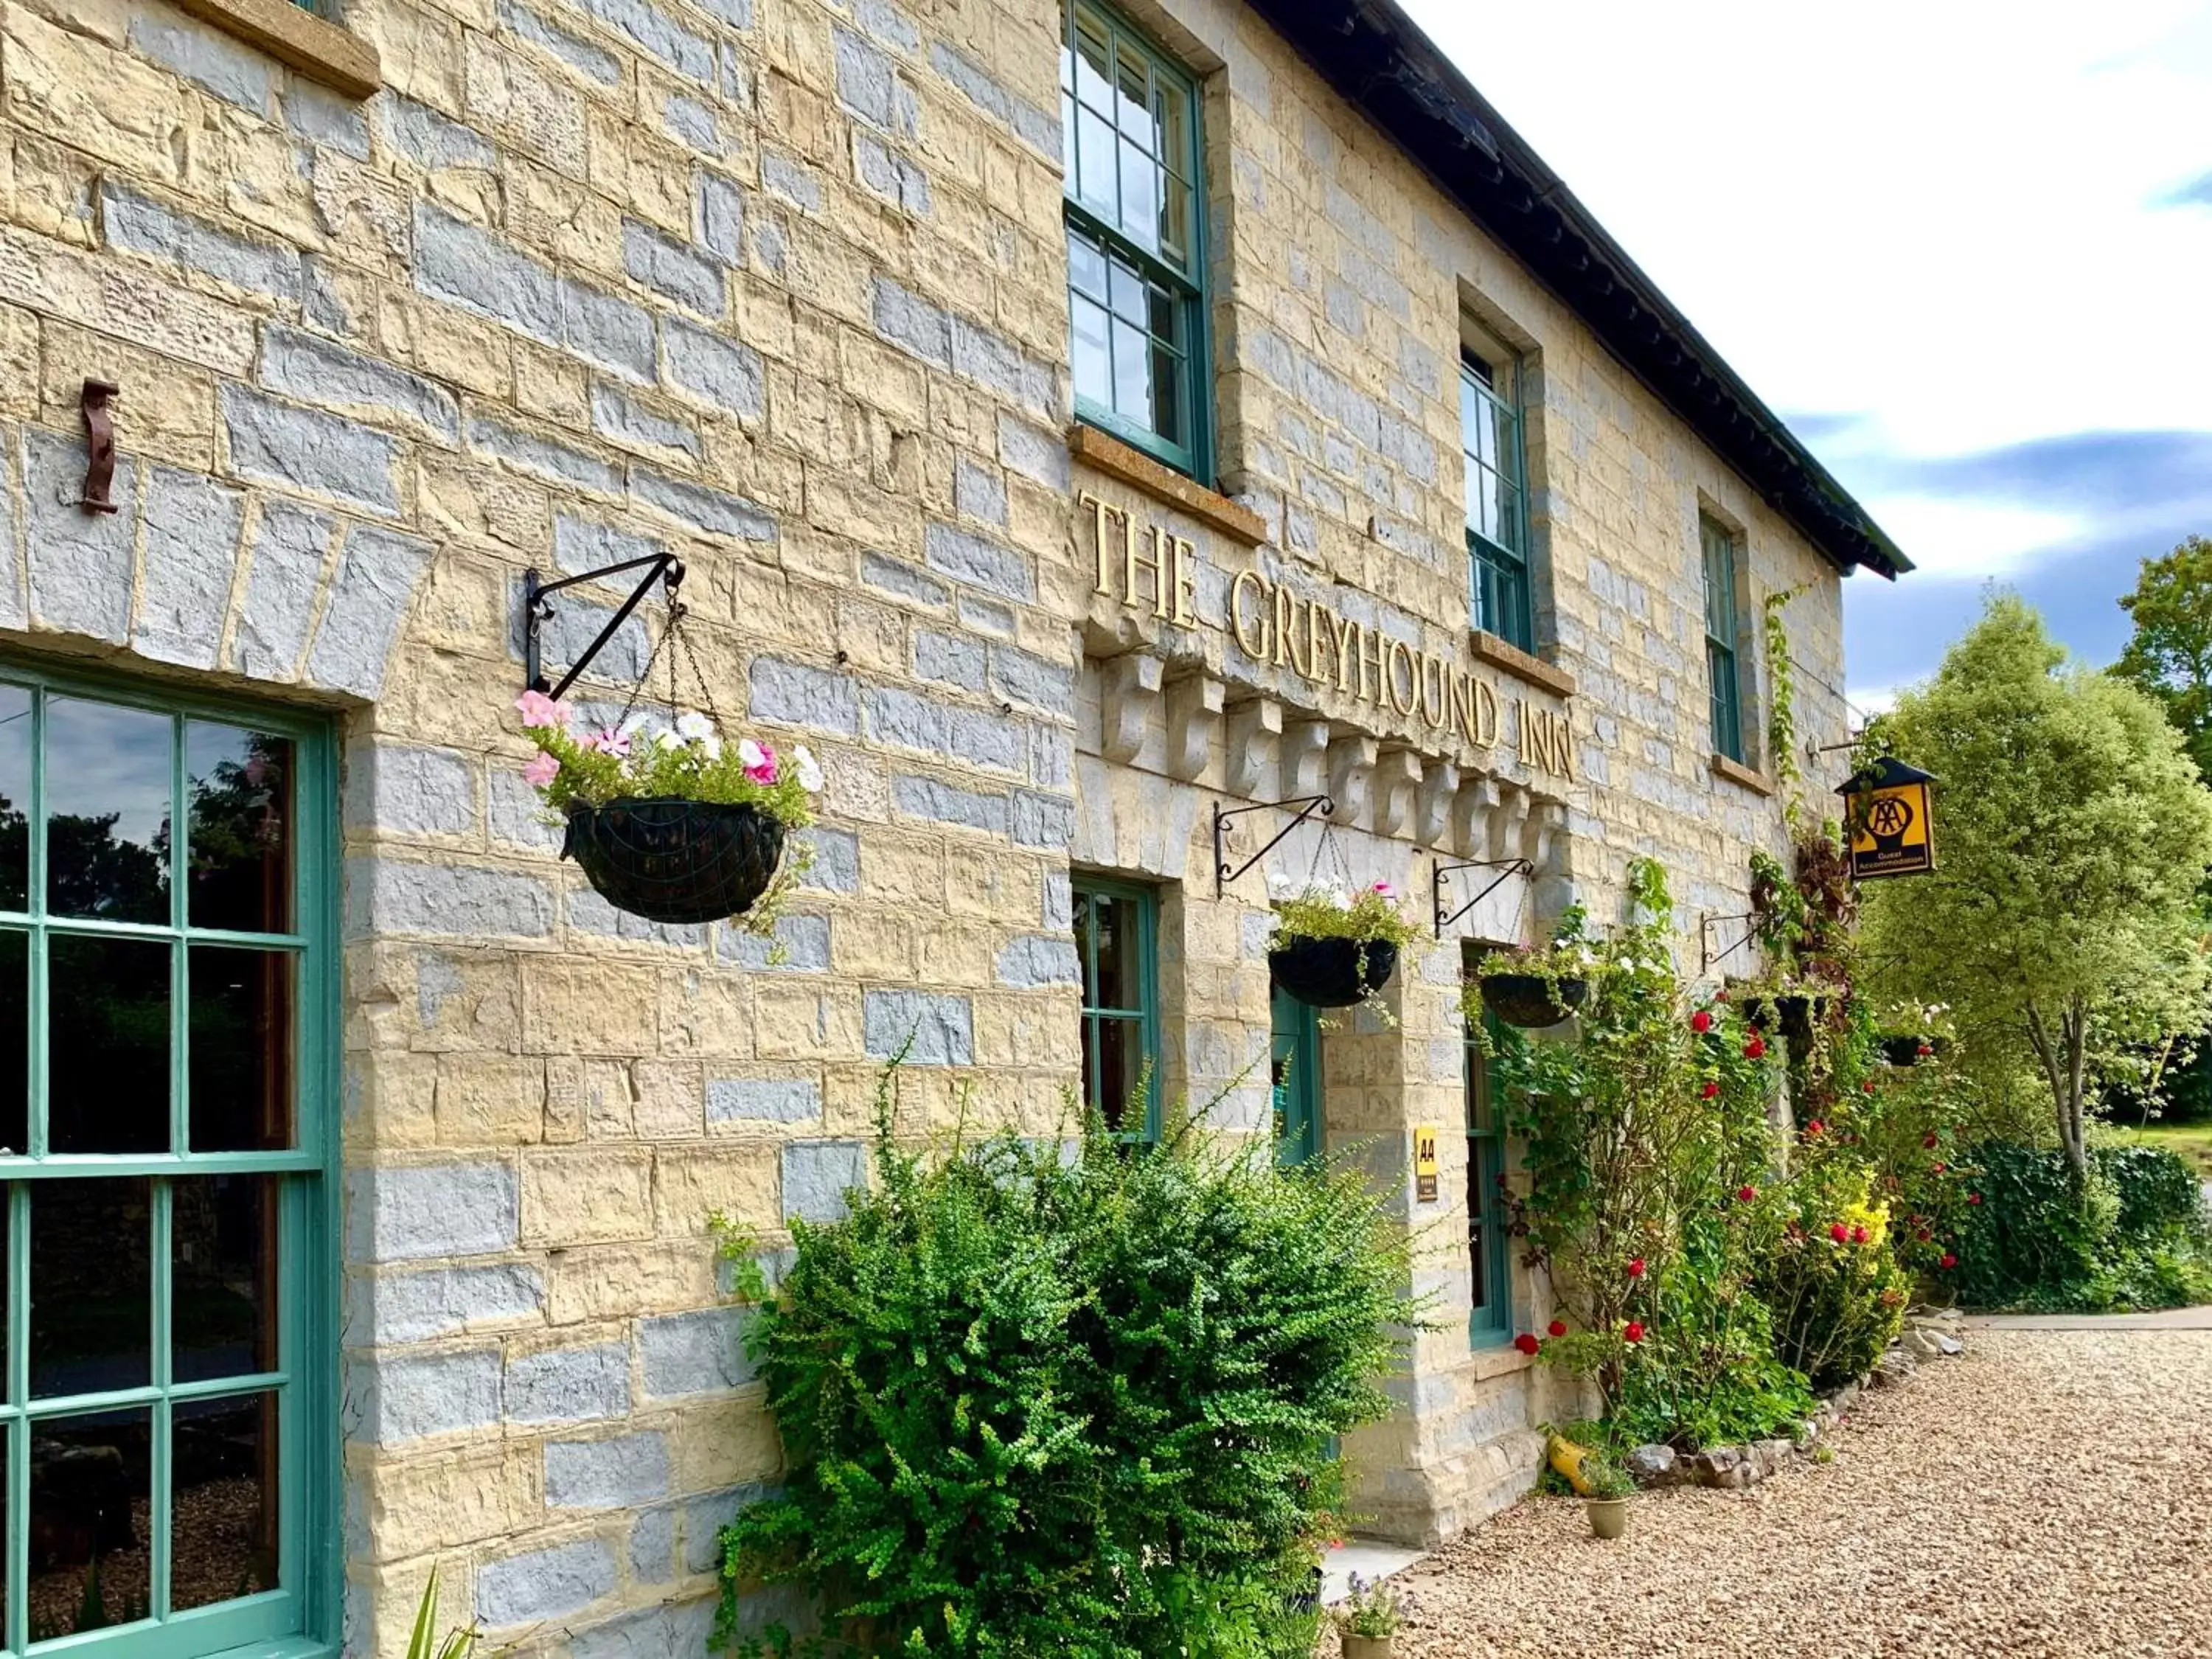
[1635, 1331]
[1816, 1127]
[1950, 1262]
[1973, 1198]
[1745, 1195]
[1557, 1327]
[1867, 1086]
[1636, 1268]
[1710, 1089]
[1923, 1051]
[1858, 1234]
[1701, 1022]
[1840, 1233]
[1940, 1168]
[1923, 1235]
[1928, 1141]
[1527, 1342]
[1755, 1050]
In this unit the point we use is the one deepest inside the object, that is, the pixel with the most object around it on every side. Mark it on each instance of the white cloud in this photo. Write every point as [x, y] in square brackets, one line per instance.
[1958, 539]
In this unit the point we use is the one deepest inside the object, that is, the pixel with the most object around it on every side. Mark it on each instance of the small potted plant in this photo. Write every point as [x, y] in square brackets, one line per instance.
[669, 822]
[1367, 1618]
[1332, 948]
[1536, 985]
[1609, 1491]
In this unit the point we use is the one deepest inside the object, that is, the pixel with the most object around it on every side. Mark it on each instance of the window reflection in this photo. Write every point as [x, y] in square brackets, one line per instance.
[107, 1055]
[223, 1523]
[91, 1514]
[15, 734]
[239, 1098]
[240, 786]
[107, 811]
[91, 1285]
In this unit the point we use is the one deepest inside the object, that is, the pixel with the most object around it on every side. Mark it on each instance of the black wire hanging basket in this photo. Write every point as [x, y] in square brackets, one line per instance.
[1332, 972]
[674, 860]
[1531, 1002]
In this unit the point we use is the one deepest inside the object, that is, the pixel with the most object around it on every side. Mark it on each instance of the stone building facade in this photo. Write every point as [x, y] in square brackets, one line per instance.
[403, 302]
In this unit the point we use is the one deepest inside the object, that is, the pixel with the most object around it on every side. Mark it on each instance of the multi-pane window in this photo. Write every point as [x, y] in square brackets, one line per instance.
[163, 978]
[1489, 1262]
[1135, 265]
[1117, 943]
[1497, 511]
[1294, 1055]
[1719, 548]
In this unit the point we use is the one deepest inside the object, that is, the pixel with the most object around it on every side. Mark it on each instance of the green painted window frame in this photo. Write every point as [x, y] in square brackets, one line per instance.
[1492, 452]
[1090, 892]
[1490, 1266]
[1294, 1040]
[1717, 545]
[301, 1616]
[1184, 286]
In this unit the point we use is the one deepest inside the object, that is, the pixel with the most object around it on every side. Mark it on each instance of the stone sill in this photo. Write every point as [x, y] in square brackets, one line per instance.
[1496, 1359]
[1742, 775]
[1489, 648]
[1109, 455]
[316, 48]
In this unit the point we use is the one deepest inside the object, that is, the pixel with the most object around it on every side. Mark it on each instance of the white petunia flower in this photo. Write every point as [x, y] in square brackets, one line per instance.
[808, 769]
[668, 740]
[1282, 885]
[634, 723]
[693, 727]
[749, 754]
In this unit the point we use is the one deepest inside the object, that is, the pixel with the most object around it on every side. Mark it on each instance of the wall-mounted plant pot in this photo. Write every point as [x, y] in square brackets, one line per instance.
[1332, 972]
[1608, 1516]
[1526, 999]
[674, 860]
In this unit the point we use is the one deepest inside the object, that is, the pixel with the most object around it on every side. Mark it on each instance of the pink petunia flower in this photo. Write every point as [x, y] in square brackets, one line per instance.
[608, 741]
[1385, 888]
[538, 709]
[763, 770]
[541, 770]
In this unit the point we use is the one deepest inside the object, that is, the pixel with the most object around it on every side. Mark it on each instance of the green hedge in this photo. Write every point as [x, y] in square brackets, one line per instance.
[2133, 1237]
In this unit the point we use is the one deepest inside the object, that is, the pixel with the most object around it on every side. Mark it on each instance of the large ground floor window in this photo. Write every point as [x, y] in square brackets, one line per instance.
[1490, 1270]
[166, 1404]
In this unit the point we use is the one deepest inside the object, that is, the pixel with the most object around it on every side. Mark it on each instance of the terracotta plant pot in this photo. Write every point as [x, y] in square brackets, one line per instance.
[1527, 1000]
[1332, 972]
[1366, 1647]
[674, 860]
[1608, 1516]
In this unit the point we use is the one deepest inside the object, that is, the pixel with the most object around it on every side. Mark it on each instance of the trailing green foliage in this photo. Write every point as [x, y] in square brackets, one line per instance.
[1047, 1400]
[2133, 1236]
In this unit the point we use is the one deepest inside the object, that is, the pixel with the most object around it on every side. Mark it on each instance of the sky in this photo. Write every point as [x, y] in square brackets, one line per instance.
[1964, 248]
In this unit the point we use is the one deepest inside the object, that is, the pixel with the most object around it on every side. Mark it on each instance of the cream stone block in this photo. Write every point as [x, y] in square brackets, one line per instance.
[707, 1012]
[167, 409]
[740, 1181]
[626, 1281]
[449, 1499]
[93, 97]
[806, 1019]
[726, 1444]
[490, 1100]
[586, 1195]
[590, 1005]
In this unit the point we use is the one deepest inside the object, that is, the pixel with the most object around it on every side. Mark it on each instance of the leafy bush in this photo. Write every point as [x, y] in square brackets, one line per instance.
[2134, 1236]
[2157, 1190]
[1837, 1294]
[1044, 1403]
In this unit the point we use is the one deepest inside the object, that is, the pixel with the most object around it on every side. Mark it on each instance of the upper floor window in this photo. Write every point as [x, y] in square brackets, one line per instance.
[1721, 608]
[1136, 275]
[1117, 942]
[1497, 508]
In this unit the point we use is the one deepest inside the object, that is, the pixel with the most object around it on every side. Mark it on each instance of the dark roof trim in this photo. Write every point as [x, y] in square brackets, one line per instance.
[1376, 56]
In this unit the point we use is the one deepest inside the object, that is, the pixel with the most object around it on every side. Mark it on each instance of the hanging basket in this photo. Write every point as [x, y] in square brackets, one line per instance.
[674, 860]
[1793, 1014]
[1526, 999]
[1911, 1049]
[1332, 972]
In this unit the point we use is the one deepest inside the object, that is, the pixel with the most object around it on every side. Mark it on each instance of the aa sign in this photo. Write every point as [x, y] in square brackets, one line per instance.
[1888, 808]
[1424, 1164]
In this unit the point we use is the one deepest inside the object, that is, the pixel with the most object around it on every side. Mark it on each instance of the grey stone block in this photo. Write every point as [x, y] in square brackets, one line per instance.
[620, 418]
[762, 1100]
[906, 319]
[575, 622]
[405, 1212]
[720, 371]
[700, 1353]
[669, 268]
[986, 616]
[1058, 909]
[545, 1583]
[1024, 677]
[384, 896]
[612, 333]
[1036, 454]
[322, 117]
[596, 62]
[979, 491]
[406, 1396]
[431, 141]
[941, 1029]
[681, 49]
[546, 457]
[945, 803]
[581, 544]
[653, 1548]
[376, 577]
[313, 370]
[606, 1474]
[192, 527]
[458, 263]
[321, 303]
[1052, 757]
[868, 83]
[690, 122]
[306, 449]
[887, 23]
[897, 576]
[951, 659]
[737, 13]
[890, 174]
[836, 866]
[715, 512]
[792, 180]
[138, 223]
[992, 360]
[1039, 959]
[592, 913]
[968, 557]
[432, 1302]
[672, 1631]
[1042, 820]
[718, 217]
[799, 696]
[979, 736]
[803, 941]
[409, 790]
[1034, 126]
[209, 59]
[517, 812]
[818, 1174]
[282, 575]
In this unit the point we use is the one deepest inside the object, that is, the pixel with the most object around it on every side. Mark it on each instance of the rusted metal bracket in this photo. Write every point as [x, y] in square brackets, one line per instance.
[99, 442]
[1223, 874]
[666, 568]
[1506, 868]
[1706, 955]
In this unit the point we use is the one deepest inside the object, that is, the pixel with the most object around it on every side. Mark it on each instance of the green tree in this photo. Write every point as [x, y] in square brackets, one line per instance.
[2073, 833]
[2170, 657]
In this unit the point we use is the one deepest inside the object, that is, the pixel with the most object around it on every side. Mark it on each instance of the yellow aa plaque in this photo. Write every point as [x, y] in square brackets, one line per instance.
[1424, 1164]
[1888, 810]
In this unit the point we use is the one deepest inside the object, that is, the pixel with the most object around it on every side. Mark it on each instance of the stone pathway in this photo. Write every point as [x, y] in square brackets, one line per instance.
[2043, 1497]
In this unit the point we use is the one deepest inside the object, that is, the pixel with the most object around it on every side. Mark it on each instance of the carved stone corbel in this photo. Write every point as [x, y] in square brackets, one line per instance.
[1194, 705]
[1506, 819]
[1351, 774]
[1304, 757]
[1545, 834]
[1397, 777]
[1129, 688]
[1471, 809]
[1255, 734]
[1432, 809]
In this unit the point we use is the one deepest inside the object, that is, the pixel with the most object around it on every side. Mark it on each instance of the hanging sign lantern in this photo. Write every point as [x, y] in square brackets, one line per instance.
[1886, 809]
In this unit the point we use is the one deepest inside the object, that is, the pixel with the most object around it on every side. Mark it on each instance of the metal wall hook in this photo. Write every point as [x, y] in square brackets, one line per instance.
[1506, 868]
[100, 444]
[537, 610]
[1222, 875]
[1706, 955]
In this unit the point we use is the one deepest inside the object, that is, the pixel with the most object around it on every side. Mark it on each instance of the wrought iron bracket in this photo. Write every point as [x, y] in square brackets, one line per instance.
[1706, 955]
[1223, 874]
[1506, 868]
[664, 568]
[100, 444]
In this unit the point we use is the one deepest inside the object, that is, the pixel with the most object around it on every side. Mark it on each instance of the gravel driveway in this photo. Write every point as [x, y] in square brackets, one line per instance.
[2048, 1494]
